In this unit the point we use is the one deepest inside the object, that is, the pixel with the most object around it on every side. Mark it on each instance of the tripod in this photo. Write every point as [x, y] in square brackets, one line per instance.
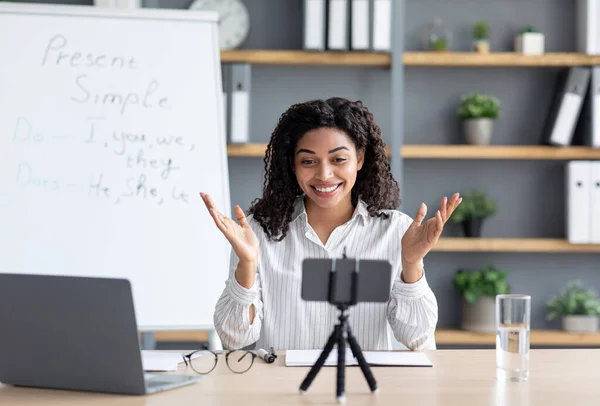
[340, 334]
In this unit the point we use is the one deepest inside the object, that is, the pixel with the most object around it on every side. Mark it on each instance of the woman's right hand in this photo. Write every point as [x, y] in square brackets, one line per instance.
[240, 236]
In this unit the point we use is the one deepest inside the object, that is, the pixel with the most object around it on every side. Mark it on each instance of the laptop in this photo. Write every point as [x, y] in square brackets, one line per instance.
[75, 333]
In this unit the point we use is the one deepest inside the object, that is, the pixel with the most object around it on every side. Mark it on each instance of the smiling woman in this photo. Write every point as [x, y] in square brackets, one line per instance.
[328, 190]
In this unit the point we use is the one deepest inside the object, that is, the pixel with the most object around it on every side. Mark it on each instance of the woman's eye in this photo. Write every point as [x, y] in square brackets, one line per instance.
[307, 161]
[339, 160]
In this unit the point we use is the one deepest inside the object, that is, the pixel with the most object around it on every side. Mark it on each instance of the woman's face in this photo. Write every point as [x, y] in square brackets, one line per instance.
[326, 164]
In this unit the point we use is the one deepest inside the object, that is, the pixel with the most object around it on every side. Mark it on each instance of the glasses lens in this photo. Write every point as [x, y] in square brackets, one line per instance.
[240, 361]
[203, 362]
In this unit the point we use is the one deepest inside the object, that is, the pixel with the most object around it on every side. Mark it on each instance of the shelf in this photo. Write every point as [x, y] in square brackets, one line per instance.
[259, 57]
[459, 152]
[247, 150]
[383, 59]
[181, 336]
[497, 59]
[442, 336]
[447, 244]
[498, 152]
[537, 337]
[253, 150]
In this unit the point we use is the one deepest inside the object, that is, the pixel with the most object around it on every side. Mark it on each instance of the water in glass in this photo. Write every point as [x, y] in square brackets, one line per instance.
[512, 353]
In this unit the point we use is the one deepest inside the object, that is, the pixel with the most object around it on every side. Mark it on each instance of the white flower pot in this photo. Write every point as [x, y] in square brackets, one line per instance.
[530, 43]
[478, 131]
[479, 317]
[580, 324]
[481, 46]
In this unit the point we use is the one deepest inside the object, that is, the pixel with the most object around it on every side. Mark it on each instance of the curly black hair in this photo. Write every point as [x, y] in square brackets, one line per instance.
[374, 183]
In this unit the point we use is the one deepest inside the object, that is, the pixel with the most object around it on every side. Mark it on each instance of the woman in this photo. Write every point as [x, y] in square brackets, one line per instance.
[328, 190]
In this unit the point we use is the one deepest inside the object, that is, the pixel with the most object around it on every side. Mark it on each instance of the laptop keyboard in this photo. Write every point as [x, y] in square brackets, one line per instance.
[153, 381]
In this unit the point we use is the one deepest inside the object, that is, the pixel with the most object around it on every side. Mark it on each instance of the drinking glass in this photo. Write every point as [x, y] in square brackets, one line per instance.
[513, 313]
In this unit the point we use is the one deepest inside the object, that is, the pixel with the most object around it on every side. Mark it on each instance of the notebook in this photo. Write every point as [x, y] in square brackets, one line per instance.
[298, 358]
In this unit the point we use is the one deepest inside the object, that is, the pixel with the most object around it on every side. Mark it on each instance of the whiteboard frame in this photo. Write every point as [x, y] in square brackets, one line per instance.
[151, 14]
[78, 10]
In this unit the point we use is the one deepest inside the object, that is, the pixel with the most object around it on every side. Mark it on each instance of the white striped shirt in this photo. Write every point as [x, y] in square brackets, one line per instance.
[284, 321]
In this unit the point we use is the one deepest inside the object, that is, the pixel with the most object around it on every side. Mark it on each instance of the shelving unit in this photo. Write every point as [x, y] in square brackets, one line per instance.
[383, 59]
[397, 61]
[459, 152]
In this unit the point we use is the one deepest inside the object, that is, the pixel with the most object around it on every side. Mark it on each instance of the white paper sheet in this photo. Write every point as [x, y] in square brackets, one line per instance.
[374, 358]
[161, 360]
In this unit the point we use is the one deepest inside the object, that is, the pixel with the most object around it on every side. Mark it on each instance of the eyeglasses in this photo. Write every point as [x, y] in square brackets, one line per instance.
[204, 361]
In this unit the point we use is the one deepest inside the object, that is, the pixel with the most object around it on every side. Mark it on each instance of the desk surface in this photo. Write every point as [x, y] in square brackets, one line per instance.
[458, 377]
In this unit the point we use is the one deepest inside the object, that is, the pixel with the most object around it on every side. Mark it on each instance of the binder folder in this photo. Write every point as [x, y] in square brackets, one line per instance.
[315, 22]
[240, 103]
[587, 131]
[595, 203]
[382, 25]
[105, 3]
[587, 31]
[578, 201]
[565, 108]
[338, 25]
[360, 21]
[226, 81]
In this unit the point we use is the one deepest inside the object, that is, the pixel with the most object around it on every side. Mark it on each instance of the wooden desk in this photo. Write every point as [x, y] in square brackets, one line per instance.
[458, 377]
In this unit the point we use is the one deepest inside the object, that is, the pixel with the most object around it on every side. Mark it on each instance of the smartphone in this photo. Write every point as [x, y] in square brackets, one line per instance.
[324, 281]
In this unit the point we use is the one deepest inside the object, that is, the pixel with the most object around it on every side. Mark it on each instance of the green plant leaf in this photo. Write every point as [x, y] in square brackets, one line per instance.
[471, 296]
[486, 281]
[475, 205]
[574, 299]
[479, 105]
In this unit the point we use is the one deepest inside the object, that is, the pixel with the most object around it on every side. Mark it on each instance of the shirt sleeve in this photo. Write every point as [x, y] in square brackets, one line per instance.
[412, 310]
[232, 311]
[413, 313]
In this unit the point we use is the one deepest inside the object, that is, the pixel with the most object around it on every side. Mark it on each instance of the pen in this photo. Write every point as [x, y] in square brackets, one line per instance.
[269, 357]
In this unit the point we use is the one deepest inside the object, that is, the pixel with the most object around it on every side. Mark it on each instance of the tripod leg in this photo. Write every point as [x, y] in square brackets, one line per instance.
[320, 361]
[356, 351]
[341, 364]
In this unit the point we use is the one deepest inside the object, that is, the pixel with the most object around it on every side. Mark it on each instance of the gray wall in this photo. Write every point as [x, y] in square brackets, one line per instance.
[529, 193]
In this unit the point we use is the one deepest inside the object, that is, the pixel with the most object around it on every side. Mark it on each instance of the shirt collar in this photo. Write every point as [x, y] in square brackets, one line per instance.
[300, 210]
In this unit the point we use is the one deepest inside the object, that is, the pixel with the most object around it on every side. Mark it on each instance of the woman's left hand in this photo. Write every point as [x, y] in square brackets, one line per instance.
[421, 237]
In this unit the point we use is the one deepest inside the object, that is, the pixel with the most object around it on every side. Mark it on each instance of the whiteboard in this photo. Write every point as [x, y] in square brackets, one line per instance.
[111, 122]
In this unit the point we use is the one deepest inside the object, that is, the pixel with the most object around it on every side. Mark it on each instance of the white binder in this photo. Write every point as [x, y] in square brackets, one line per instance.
[315, 12]
[337, 25]
[226, 82]
[566, 106]
[240, 104]
[595, 107]
[382, 25]
[587, 32]
[360, 21]
[578, 201]
[105, 3]
[595, 203]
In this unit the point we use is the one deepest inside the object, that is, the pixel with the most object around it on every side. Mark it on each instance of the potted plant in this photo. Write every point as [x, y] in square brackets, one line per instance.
[478, 112]
[475, 207]
[529, 41]
[434, 37]
[579, 307]
[481, 39]
[478, 290]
